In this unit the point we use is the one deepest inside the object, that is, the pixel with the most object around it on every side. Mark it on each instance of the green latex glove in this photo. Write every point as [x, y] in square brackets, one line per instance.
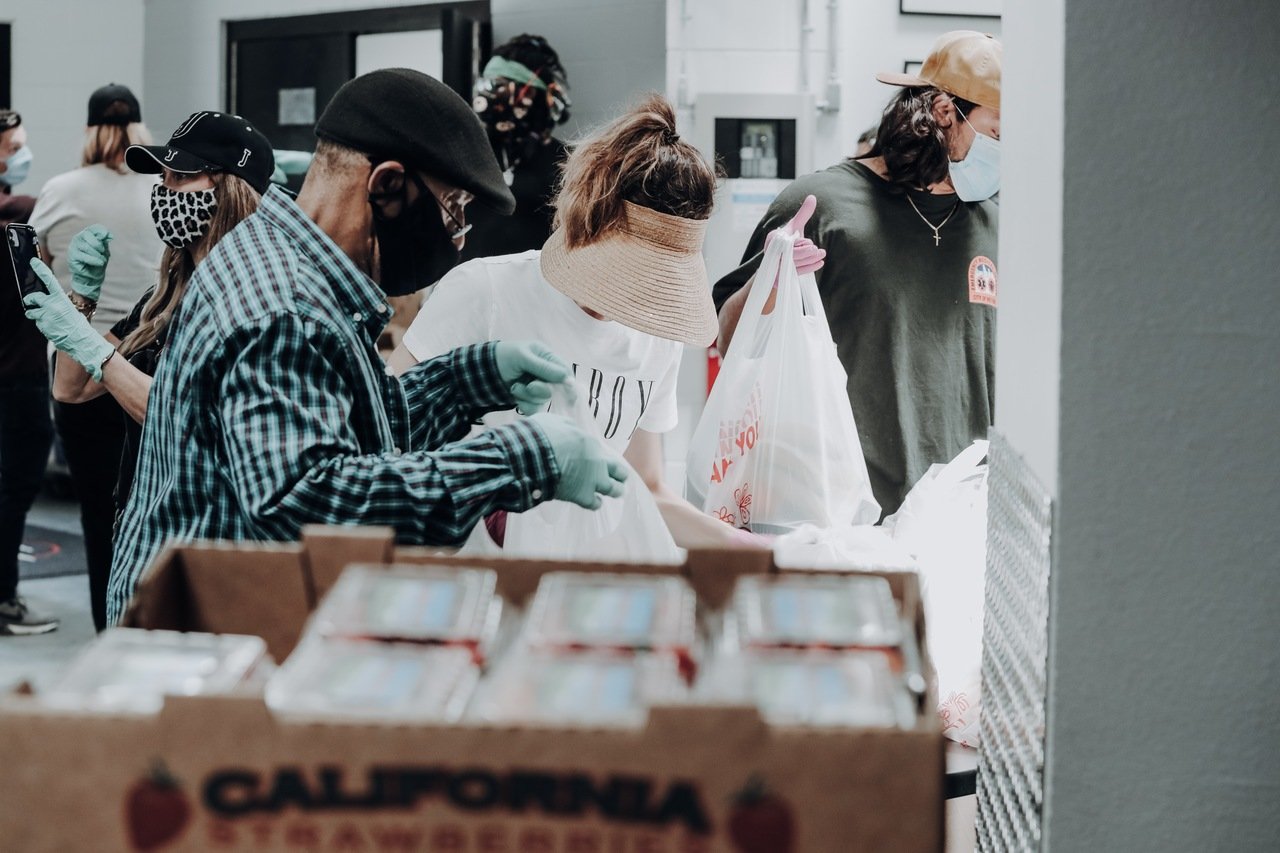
[588, 469]
[289, 163]
[531, 370]
[87, 259]
[64, 326]
[292, 162]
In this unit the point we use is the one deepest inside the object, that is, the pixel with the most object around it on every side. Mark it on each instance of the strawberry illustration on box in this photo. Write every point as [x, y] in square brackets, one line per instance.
[156, 810]
[761, 822]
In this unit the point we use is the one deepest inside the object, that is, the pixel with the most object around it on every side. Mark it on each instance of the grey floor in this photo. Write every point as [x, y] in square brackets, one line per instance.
[41, 658]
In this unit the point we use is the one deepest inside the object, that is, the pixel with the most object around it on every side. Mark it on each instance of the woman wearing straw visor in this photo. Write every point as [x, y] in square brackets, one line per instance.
[618, 290]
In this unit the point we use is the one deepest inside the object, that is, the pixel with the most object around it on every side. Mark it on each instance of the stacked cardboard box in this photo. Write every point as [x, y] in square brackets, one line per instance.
[223, 773]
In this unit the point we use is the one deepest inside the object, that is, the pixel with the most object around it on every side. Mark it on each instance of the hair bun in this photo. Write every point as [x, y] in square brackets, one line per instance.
[637, 158]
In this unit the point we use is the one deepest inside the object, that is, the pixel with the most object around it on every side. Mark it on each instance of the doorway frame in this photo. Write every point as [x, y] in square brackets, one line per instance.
[394, 19]
[6, 65]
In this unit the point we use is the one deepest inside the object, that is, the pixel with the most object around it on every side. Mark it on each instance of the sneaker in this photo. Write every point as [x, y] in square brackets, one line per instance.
[18, 620]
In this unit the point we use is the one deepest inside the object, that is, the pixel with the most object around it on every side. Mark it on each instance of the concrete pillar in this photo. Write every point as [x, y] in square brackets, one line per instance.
[1139, 377]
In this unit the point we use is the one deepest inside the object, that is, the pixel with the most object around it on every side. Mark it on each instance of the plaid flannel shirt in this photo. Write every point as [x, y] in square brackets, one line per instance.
[271, 409]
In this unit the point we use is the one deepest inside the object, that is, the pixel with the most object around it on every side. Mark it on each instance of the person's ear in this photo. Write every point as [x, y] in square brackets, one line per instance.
[386, 178]
[944, 110]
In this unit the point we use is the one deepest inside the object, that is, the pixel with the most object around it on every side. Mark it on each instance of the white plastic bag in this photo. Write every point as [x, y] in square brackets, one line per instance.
[943, 524]
[777, 446]
[839, 548]
[627, 529]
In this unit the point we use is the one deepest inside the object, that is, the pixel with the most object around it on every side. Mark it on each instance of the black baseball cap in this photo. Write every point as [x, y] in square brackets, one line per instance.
[103, 98]
[209, 142]
[402, 114]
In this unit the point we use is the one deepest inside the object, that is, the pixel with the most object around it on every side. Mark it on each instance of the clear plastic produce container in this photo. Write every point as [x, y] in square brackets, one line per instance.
[634, 612]
[132, 670]
[423, 604]
[812, 688]
[329, 677]
[577, 688]
[824, 611]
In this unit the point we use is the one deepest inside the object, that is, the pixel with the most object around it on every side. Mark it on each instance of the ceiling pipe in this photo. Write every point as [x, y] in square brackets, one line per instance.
[806, 29]
[683, 101]
[830, 102]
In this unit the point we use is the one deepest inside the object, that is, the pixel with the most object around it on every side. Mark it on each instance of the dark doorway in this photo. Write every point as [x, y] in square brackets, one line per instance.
[6, 66]
[281, 72]
[282, 84]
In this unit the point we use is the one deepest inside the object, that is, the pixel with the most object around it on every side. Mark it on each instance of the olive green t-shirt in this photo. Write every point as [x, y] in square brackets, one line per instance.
[913, 321]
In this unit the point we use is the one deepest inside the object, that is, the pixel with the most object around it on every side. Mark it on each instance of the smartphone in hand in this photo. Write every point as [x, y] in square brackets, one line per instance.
[23, 248]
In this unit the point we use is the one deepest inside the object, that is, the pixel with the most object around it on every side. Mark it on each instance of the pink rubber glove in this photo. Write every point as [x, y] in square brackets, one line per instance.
[807, 255]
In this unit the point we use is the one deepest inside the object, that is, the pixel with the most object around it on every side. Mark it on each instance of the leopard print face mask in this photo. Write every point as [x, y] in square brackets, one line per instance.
[182, 218]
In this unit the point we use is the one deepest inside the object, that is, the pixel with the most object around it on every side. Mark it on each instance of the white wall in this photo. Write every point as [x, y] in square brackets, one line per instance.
[733, 46]
[62, 51]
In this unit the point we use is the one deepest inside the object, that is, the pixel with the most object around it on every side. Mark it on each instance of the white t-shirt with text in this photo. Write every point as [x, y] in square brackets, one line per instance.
[629, 376]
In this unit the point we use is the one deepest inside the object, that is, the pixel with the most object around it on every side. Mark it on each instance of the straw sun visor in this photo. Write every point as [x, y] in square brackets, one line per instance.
[648, 275]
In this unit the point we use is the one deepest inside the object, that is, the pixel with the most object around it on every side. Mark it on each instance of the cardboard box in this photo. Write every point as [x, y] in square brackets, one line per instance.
[248, 781]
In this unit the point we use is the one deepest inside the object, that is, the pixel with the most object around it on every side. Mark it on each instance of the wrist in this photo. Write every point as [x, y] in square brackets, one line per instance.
[751, 540]
[96, 361]
[478, 378]
[532, 460]
[83, 304]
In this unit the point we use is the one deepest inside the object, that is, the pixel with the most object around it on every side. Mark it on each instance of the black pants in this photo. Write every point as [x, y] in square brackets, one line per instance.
[25, 437]
[92, 436]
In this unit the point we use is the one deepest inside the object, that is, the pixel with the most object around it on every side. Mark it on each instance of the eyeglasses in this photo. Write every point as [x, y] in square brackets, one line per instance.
[453, 206]
[452, 202]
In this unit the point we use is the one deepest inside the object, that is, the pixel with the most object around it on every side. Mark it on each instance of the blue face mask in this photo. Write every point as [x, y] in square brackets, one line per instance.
[17, 167]
[977, 176]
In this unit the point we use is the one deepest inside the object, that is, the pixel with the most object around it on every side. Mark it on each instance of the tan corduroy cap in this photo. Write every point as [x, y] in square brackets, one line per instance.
[648, 275]
[963, 63]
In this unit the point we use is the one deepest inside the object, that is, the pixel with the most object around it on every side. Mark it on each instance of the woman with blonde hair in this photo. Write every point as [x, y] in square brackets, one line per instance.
[618, 290]
[105, 195]
[104, 192]
[215, 169]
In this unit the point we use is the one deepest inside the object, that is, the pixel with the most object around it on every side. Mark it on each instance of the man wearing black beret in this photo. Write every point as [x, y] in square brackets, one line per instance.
[271, 408]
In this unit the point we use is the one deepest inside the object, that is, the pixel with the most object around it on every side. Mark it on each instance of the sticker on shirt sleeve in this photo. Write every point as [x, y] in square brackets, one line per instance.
[982, 281]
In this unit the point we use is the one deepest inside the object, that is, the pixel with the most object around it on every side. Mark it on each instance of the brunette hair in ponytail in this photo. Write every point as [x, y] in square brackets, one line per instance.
[638, 157]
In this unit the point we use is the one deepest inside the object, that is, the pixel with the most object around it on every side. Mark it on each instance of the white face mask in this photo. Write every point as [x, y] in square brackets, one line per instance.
[18, 167]
[977, 176]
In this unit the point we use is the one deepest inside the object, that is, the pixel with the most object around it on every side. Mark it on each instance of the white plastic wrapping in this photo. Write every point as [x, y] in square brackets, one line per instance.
[943, 524]
[628, 529]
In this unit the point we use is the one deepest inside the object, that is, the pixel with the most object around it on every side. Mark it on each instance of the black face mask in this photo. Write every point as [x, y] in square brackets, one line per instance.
[416, 248]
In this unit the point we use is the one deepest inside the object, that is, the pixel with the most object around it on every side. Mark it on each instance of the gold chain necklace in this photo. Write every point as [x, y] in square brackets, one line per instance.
[937, 240]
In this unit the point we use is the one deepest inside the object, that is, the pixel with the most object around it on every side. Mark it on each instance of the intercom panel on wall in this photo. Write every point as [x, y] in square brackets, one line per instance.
[762, 142]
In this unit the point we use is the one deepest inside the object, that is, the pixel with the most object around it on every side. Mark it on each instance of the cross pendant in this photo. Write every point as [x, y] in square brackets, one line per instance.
[937, 241]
